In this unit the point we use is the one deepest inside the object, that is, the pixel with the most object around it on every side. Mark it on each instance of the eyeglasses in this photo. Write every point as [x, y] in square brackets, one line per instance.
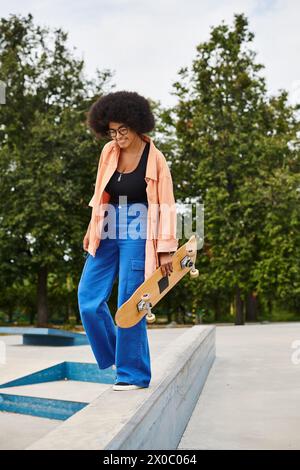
[123, 130]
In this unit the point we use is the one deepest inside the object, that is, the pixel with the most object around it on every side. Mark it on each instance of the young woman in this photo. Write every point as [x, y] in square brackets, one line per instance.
[133, 176]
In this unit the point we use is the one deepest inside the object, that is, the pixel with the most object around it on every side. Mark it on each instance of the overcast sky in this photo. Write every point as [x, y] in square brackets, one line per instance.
[145, 43]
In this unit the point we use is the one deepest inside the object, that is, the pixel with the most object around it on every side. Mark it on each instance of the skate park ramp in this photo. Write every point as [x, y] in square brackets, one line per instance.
[46, 336]
[148, 418]
[39, 393]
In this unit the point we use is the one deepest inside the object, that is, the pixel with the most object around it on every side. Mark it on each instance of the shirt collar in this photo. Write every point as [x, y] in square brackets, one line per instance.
[151, 168]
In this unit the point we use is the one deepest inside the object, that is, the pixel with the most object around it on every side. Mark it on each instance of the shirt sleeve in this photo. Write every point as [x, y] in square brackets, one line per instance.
[167, 226]
[93, 200]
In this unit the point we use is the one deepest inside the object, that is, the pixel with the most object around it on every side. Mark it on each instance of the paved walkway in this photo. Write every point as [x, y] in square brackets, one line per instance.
[251, 399]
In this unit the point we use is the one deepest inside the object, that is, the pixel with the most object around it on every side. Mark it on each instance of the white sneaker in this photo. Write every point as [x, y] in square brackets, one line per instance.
[125, 386]
[113, 367]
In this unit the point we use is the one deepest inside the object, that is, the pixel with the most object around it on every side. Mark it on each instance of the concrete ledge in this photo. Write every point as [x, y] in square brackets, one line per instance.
[151, 418]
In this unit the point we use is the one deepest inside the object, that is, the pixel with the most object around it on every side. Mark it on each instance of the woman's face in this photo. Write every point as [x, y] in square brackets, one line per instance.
[124, 137]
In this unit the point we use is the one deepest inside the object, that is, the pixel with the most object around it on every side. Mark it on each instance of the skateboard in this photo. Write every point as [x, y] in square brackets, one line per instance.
[149, 293]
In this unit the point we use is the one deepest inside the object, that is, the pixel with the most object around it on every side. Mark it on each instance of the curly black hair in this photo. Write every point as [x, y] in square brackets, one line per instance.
[127, 107]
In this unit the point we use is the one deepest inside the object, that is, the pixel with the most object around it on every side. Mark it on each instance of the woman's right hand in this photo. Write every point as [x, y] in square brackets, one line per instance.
[86, 241]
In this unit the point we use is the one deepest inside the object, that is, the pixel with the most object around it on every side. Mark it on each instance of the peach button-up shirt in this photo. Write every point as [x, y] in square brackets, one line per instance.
[161, 215]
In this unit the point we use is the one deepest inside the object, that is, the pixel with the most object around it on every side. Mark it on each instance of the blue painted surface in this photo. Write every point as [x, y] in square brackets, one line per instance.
[82, 371]
[48, 407]
[87, 372]
[46, 336]
[45, 375]
[19, 330]
[42, 407]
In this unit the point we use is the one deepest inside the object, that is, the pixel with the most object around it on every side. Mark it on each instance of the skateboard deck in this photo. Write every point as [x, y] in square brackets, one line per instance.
[149, 293]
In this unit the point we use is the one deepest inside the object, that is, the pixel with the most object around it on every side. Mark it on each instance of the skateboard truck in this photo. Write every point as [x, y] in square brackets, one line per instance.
[144, 304]
[187, 262]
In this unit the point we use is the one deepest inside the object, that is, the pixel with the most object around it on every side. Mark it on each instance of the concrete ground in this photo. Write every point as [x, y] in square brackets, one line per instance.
[18, 431]
[251, 399]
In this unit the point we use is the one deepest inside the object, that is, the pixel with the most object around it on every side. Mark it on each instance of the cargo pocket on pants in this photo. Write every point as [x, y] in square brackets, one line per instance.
[136, 275]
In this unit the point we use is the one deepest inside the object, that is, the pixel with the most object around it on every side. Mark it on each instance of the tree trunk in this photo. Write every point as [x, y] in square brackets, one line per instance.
[217, 309]
[251, 307]
[180, 315]
[42, 307]
[239, 308]
[270, 307]
[31, 318]
[10, 315]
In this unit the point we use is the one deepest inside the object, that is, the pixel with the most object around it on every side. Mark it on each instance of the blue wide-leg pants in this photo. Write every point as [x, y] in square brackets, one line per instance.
[121, 254]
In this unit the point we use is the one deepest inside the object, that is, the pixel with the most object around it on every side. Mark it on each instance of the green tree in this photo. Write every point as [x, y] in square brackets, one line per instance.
[232, 144]
[48, 159]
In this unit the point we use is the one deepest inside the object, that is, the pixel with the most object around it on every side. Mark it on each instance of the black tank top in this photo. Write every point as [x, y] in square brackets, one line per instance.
[132, 184]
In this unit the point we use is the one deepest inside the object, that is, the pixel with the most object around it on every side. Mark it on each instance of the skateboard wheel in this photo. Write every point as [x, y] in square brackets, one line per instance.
[150, 317]
[194, 273]
[145, 297]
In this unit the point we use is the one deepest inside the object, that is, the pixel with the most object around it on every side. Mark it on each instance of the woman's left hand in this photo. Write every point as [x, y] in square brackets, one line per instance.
[165, 261]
